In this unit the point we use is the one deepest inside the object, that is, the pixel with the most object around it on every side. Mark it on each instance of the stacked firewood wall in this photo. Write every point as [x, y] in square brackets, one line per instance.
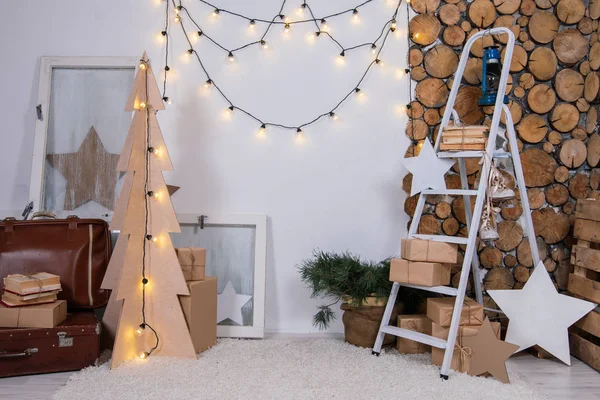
[554, 92]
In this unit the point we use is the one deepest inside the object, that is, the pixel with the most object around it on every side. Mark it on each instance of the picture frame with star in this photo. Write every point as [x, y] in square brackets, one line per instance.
[79, 132]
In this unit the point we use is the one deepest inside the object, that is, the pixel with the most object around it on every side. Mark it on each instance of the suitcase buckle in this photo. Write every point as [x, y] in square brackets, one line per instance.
[63, 340]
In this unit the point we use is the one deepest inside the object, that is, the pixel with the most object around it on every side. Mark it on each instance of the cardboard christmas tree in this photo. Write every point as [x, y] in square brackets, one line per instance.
[144, 274]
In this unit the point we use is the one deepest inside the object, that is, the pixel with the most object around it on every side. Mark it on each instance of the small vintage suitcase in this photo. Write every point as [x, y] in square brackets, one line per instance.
[78, 250]
[70, 346]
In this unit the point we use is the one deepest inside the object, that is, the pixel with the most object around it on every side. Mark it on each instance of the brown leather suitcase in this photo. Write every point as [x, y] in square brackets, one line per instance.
[70, 346]
[76, 249]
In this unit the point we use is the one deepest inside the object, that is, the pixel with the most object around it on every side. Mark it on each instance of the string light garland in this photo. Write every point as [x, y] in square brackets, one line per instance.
[320, 23]
[149, 238]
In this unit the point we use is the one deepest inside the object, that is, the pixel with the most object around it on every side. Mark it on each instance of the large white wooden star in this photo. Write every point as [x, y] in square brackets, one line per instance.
[538, 314]
[428, 170]
[229, 305]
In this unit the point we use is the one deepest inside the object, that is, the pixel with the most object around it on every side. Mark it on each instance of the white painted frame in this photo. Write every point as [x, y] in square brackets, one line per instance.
[47, 64]
[259, 221]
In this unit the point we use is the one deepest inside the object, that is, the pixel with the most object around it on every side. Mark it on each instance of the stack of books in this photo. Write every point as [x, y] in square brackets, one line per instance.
[467, 137]
[25, 290]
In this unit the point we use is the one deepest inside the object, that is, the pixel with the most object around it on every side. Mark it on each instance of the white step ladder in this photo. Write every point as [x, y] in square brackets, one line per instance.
[471, 256]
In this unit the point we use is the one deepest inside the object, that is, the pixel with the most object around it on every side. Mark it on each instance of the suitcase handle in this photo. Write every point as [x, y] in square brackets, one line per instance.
[24, 353]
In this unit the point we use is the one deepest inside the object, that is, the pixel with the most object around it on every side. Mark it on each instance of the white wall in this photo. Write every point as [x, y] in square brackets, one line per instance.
[340, 190]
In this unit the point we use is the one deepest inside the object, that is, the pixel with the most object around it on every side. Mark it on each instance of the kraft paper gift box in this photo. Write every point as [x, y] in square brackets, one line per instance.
[429, 251]
[462, 355]
[419, 273]
[38, 316]
[439, 310]
[193, 262]
[200, 310]
[417, 323]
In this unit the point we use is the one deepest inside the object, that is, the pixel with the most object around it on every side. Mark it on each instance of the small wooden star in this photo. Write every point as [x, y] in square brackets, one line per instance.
[488, 353]
[90, 173]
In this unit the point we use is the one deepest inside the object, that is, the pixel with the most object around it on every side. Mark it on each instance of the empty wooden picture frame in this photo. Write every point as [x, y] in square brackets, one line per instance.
[236, 248]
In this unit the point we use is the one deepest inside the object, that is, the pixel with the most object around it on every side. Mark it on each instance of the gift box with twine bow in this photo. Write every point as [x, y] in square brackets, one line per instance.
[417, 323]
[193, 263]
[419, 273]
[461, 358]
[439, 310]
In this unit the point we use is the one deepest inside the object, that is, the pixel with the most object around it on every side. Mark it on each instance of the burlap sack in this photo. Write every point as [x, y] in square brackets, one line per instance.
[361, 324]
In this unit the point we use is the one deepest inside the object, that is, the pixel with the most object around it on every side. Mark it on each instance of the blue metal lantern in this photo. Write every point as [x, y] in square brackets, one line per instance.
[490, 82]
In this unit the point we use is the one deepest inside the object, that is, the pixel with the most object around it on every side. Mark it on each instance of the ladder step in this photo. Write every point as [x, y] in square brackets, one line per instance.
[441, 238]
[470, 154]
[451, 192]
[416, 336]
[447, 290]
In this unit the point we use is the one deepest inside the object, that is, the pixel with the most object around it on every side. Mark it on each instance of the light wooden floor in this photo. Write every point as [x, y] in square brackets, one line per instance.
[556, 380]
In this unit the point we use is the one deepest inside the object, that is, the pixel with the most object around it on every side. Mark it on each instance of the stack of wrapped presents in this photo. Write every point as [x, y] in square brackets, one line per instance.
[30, 301]
[200, 307]
[428, 263]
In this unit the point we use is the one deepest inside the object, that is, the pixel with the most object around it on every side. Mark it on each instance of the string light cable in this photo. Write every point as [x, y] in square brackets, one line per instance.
[320, 23]
[148, 239]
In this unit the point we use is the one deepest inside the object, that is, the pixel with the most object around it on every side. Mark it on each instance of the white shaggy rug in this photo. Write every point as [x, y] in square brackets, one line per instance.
[287, 369]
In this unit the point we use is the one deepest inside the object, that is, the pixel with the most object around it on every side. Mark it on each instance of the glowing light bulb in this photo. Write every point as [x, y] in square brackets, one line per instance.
[324, 26]
[177, 9]
[299, 135]
[408, 1]
[264, 44]
[215, 13]
[143, 355]
[300, 10]
[140, 330]
[355, 16]
[177, 18]
[333, 116]
[379, 62]
[252, 24]
[341, 58]
[208, 83]
[155, 239]
[156, 152]
[156, 195]
[142, 66]
[287, 27]
[373, 48]
[144, 281]
[229, 110]
[393, 25]
[262, 132]
[230, 57]
[167, 100]
[416, 35]
[142, 105]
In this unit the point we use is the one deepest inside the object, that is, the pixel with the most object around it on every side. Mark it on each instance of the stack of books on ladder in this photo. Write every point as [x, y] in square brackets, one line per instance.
[27, 290]
[465, 137]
